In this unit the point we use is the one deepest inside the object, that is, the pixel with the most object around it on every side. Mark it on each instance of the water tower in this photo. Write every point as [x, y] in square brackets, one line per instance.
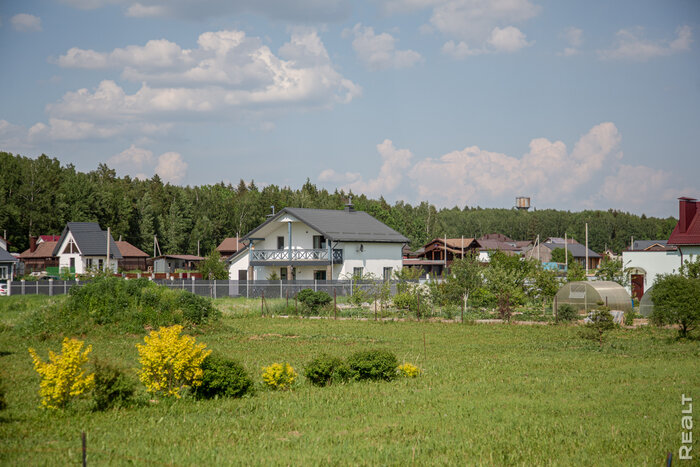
[522, 203]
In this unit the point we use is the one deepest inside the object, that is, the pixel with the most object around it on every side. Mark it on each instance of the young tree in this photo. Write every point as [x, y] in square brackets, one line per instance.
[612, 270]
[546, 284]
[466, 276]
[575, 273]
[213, 267]
[559, 255]
[676, 301]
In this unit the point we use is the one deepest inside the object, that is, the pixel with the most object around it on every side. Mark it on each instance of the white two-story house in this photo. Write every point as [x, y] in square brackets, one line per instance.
[83, 248]
[318, 244]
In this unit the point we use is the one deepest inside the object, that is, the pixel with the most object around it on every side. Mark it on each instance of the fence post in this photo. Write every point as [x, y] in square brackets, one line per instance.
[280, 288]
[214, 288]
[23, 286]
[287, 298]
[335, 305]
[375, 309]
[193, 285]
[262, 303]
[65, 287]
[36, 283]
[315, 285]
[9, 287]
[418, 307]
[50, 287]
[83, 438]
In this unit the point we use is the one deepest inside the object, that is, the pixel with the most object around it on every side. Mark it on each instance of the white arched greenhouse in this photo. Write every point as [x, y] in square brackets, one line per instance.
[585, 295]
[646, 306]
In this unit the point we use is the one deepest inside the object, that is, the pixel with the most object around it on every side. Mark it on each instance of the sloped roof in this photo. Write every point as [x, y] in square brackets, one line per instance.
[43, 250]
[487, 244]
[230, 244]
[651, 245]
[130, 251]
[90, 238]
[182, 257]
[576, 249]
[6, 257]
[691, 236]
[48, 238]
[343, 226]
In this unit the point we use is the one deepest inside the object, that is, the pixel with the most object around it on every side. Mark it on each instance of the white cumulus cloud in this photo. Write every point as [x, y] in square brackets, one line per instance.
[378, 51]
[25, 22]
[171, 167]
[631, 45]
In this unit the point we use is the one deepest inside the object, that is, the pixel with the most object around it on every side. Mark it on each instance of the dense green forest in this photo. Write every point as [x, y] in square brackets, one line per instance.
[38, 196]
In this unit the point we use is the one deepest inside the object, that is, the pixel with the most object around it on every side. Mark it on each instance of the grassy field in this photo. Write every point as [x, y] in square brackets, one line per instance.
[490, 394]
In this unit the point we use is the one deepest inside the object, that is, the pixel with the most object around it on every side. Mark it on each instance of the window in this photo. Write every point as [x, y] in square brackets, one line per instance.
[3, 272]
[280, 243]
[387, 273]
[283, 274]
[320, 275]
[357, 272]
[71, 247]
[99, 264]
[88, 263]
[319, 242]
[242, 275]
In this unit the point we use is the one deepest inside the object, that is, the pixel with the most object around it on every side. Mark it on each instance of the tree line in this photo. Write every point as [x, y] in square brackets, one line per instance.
[38, 196]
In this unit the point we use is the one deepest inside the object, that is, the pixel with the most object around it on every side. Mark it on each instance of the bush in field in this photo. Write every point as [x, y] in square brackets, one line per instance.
[567, 313]
[313, 300]
[63, 376]
[128, 305]
[223, 378]
[372, 365]
[408, 370]
[279, 376]
[405, 301]
[325, 369]
[170, 362]
[113, 388]
[601, 322]
[677, 301]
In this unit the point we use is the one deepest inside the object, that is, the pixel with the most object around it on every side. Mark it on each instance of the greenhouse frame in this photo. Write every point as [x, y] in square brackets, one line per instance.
[585, 295]
[646, 306]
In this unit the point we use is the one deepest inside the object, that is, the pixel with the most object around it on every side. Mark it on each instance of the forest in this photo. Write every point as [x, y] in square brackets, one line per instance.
[38, 196]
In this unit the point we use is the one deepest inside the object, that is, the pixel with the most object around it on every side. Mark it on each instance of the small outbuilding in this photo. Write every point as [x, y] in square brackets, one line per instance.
[585, 295]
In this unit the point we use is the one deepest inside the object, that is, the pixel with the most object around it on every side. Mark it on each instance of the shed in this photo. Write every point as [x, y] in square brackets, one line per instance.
[646, 305]
[585, 295]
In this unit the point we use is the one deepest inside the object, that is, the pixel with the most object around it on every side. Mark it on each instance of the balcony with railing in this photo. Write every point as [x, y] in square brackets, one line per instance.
[298, 256]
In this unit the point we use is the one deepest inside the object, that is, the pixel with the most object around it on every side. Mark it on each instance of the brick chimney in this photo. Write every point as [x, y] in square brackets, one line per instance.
[32, 244]
[686, 208]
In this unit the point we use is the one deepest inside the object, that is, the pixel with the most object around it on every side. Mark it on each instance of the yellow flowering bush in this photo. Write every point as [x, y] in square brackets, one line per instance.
[279, 376]
[63, 376]
[408, 370]
[170, 362]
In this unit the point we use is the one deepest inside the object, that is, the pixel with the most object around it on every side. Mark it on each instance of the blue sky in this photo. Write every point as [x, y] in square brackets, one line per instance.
[579, 105]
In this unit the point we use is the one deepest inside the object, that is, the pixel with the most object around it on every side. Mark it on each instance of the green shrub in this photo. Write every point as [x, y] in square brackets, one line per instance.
[405, 301]
[313, 300]
[128, 305]
[372, 365]
[113, 388]
[223, 378]
[567, 313]
[629, 317]
[325, 369]
[450, 311]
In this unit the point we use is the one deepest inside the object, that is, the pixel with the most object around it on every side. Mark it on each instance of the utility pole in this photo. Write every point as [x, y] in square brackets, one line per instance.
[586, 250]
[566, 252]
[109, 235]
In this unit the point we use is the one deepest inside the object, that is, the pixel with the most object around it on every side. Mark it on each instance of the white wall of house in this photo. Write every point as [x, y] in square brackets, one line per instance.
[302, 236]
[240, 264]
[373, 258]
[3, 244]
[653, 263]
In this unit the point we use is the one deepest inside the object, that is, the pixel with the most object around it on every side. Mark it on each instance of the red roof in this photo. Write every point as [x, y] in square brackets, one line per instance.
[687, 231]
[130, 251]
[49, 238]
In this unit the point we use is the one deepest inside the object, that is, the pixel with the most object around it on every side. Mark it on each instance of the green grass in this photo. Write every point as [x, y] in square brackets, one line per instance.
[489, 394]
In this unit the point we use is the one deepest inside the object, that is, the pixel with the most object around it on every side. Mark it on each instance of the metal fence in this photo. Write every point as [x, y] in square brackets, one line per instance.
[216, 289]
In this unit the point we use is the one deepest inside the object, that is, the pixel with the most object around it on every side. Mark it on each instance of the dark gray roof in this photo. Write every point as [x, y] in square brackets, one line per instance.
[576, 249]
[644, 244]
[91, 240]
[343, 226]
[6, 257]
